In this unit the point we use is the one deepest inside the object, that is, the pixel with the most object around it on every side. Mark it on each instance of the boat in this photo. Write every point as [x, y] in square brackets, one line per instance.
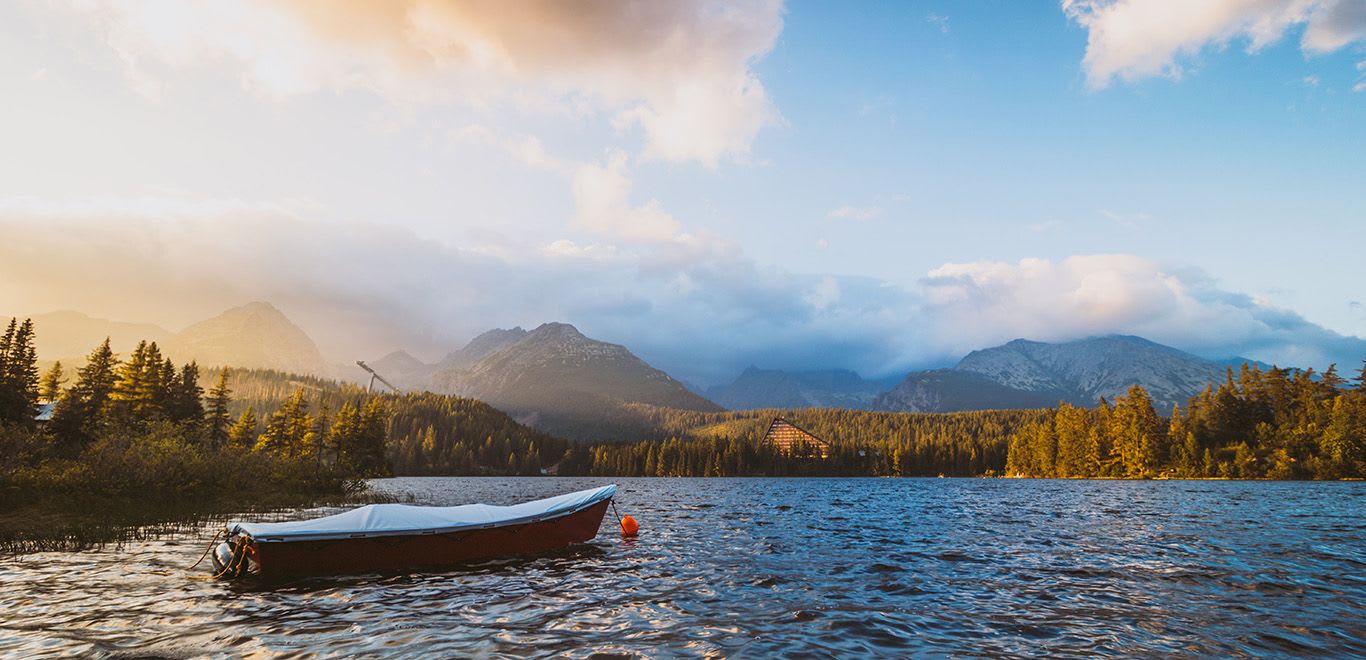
[388, 537]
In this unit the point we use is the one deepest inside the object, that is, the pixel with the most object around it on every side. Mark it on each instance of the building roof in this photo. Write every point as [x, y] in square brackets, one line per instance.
[45, 412]
[790, 438]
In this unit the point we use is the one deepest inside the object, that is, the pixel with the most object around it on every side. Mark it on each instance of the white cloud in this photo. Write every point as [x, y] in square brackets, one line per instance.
[602, 199]
[1128, 220]
[679, 71]
[825, 293]
[1134, 39]
[363, 290]
[939, 21]
[983, 303]
[855, 213]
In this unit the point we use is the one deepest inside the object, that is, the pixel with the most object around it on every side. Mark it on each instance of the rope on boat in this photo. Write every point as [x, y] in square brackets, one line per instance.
[238, 562]
[614, 509]
[212, 544]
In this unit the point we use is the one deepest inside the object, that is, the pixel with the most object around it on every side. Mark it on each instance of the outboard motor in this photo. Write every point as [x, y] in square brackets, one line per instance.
[230, 558]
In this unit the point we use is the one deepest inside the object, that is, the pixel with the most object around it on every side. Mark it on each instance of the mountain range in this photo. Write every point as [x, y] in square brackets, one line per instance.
[555, 378]
[1029, 374]
[775, 388]
[558, 380]
[256, 335]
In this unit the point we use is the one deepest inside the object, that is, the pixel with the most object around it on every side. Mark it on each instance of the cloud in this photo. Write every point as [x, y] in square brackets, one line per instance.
[1127, 220]
[602, 199]
[986, 302]
[1135, 39]
[825, 293]
[1336, 24]
[855, 213]
[678, 71]
[940, 21]
[701, 313]
[364, 289]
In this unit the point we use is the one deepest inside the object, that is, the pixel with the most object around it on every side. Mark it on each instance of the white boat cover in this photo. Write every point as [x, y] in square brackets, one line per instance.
[405, 519]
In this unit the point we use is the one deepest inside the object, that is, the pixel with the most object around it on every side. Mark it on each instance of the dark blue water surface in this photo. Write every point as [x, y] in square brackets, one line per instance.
[761, 567]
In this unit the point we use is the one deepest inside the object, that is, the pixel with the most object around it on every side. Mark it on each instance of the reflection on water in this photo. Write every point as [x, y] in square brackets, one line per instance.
[775, 566]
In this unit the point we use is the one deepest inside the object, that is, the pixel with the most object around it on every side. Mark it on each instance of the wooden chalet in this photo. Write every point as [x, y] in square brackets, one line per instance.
[792, 440]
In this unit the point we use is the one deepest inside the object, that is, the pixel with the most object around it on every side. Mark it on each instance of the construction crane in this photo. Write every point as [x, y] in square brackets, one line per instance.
[373, 377]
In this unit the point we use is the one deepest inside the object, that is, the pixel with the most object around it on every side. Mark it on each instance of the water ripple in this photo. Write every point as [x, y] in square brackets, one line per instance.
[753, 567]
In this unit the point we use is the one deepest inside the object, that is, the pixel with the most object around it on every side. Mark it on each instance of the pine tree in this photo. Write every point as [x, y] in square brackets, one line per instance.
[346, 432]
[184, 400]
[164, 386]
[1181, 459]
[84, 411]
[317, 439]
[217, 419]
[139, 394]
[1137, 434]
[1360, 380]
[287, 429]
[18, 374]
[359, 435]
[1070, 425]
[51, 387]
[242, 435]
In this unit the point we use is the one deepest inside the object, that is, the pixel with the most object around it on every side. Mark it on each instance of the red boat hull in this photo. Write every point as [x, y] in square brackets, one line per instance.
[278, 559]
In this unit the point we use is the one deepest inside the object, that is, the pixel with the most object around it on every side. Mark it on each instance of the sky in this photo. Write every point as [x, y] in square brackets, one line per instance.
[799, 185]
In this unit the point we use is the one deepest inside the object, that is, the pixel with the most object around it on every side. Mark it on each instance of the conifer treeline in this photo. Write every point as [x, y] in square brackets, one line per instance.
[426, 434]
[863, 443]
[1272, 424]
[142, 426]
[131, 415]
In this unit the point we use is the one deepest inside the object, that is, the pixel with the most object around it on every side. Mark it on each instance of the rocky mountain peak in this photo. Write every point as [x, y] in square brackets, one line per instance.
[556, 330]
[1080, 371]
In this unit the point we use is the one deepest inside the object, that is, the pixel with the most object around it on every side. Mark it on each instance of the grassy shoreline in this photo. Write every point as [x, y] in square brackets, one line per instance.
[86, 523]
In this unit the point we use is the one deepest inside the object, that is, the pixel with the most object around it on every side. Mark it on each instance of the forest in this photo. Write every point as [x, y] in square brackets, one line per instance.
[863, 443]
[1261, 424]
[143, 426]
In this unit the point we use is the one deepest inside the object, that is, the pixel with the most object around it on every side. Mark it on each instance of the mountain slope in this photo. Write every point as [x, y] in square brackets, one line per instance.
[480, 347]
[403, 370]
[772, 388]
[561, 381]
[1025, 373]
[256, 335]
[70, 336]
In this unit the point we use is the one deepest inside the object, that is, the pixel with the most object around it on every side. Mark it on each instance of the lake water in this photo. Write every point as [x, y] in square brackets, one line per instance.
[757, 567]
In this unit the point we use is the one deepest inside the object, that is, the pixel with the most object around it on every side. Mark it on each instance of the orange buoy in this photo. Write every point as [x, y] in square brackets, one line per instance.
[629, 527]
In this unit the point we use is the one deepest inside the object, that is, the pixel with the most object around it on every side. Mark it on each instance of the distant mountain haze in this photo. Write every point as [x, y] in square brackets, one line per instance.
[775, 388]
[256, 335]
[403, 370]
[70, 336]
[1026, 374]
[561, 381]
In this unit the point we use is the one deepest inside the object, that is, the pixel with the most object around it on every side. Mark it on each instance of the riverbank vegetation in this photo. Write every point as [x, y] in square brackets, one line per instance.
[1259, 424]
[142, 428]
